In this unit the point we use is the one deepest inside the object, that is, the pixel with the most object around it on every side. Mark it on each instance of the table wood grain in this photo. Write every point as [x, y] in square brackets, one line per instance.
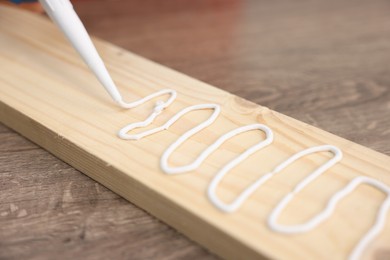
[322, 62]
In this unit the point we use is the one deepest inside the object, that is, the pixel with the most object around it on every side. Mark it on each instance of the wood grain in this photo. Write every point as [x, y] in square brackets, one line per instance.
[259, 75]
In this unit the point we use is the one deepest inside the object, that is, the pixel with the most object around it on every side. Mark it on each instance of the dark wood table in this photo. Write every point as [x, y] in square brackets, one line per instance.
[326, 63]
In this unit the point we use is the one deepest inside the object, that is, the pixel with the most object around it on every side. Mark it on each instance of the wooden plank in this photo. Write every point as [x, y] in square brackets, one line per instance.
[39, 82]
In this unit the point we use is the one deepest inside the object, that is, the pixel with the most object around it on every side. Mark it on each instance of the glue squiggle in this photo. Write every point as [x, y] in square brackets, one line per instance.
[245, 194]
[158, 108]
[329, 209]
[263, 179]
[203, 156]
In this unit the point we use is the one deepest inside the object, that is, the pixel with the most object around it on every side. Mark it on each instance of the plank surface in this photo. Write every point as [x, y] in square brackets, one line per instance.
[123, 84]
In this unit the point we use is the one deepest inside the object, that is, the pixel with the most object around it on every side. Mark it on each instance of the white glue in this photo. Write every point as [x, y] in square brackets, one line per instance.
[246, 193]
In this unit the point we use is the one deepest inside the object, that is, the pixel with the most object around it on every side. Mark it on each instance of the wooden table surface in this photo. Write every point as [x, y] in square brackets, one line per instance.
[326, 63]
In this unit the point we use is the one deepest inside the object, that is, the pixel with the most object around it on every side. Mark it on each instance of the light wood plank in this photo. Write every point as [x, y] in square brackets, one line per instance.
[49, 96]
